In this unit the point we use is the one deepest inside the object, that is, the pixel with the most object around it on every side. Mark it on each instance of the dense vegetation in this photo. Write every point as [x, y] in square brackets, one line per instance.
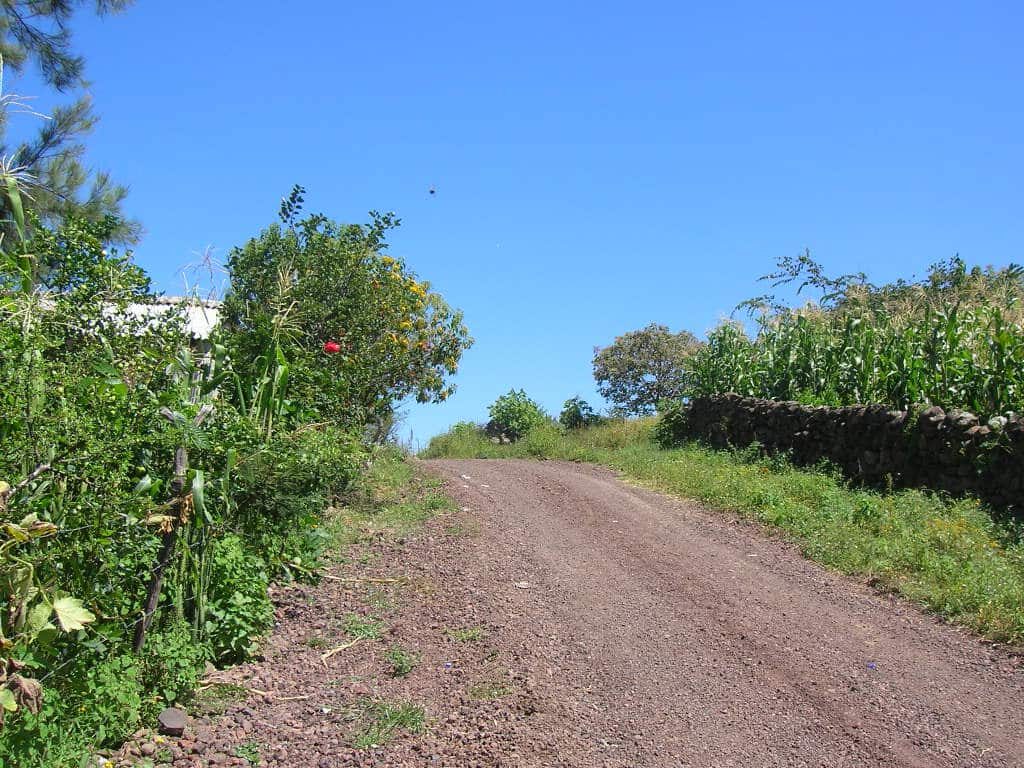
[949, 556]
[954, 339]
[151, 484]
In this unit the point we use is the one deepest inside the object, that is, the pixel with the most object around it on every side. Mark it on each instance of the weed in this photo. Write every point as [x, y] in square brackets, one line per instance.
[402, 661]
[249, 751]
[316, 641]
[392, 499]
[217, 698]
[380, 720]
[362, 627]
[381, 598]
[466, 635]
[467, 527]
[488, 690]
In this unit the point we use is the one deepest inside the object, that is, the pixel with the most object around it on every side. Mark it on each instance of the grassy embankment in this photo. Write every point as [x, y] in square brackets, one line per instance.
[392, 497]
[950, 556]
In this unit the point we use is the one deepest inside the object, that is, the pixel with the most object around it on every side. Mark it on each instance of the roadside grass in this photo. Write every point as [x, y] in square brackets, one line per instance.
[379, 721]
[391, 498]
[949, 555]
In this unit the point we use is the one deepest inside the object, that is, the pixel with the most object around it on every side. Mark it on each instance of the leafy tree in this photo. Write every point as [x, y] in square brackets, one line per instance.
[577, 414]
[514, 414]
[50, 164]
[357, 330]
[642, 368]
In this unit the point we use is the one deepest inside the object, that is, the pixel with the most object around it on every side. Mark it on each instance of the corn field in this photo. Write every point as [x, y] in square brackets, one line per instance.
[955, 357]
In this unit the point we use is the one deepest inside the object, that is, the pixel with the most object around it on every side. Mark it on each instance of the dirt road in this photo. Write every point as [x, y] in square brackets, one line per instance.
[563, 619]
[661, 634]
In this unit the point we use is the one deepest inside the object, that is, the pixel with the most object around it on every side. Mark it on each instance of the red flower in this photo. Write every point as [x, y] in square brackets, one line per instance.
[332, 347]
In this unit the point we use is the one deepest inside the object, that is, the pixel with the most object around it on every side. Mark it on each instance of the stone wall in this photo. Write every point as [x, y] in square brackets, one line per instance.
[944, 451]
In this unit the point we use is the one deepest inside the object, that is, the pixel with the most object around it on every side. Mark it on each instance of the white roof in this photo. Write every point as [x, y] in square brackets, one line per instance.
[200, 316]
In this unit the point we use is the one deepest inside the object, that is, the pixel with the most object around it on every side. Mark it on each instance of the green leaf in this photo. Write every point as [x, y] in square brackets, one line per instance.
[144, 484]
[7, 700]
[14, 196]
[46, 635]
[71, 614]
[107, 370]
[38, 617]
[199, 495]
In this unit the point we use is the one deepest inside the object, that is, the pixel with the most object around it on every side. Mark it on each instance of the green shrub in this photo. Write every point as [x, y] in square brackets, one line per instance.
[670, 429]
[98, 703]
[239, 608]
[515, 414]
[577, 414]
[172, 662]
[395, 337]
[109, 697]
[44, 740]
[542, 439]
[282, 489]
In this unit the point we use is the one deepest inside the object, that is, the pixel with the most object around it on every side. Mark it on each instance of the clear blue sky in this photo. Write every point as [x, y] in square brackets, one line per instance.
[598, 166]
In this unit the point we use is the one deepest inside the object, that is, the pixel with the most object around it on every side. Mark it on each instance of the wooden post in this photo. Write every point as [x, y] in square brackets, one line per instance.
[179, 500]
[163, 559]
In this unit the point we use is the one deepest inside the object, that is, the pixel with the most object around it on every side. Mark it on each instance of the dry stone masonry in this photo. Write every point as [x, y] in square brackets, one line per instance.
[931, 448]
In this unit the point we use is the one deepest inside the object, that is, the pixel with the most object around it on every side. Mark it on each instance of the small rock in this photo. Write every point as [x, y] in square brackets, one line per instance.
[148, 749]
[172, 721]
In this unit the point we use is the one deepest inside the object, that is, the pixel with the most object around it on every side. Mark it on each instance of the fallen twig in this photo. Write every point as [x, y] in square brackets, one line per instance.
[327, 654]
[204, 684]
[272, 697]
[364, 579]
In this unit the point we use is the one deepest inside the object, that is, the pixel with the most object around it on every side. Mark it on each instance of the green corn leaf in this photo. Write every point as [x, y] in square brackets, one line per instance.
[199, 495]
[144, 485]
[14, 196]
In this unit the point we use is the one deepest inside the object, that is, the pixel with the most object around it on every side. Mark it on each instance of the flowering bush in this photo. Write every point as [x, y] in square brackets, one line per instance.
[388, 336]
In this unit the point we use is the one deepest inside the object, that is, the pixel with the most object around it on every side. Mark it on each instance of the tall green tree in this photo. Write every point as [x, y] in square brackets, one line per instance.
[642, 368]
[50, 163]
